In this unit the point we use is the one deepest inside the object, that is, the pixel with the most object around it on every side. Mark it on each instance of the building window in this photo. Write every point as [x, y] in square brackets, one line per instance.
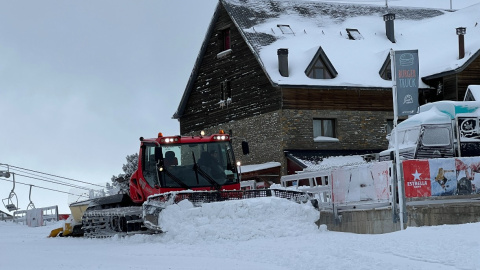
[225, 39]
[389, 126]
[324, 128]
[225, 93]
[386, 70]
[354, 34]
[318, 71]
[285, 28]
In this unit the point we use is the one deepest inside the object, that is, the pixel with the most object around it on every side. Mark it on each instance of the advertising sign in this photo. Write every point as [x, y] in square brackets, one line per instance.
[417, 178]
[406, 78]
[441, 177]
[468, 177]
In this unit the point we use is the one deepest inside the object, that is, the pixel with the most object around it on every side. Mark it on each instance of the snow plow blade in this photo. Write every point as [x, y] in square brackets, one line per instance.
[156, 203]
[56, 232]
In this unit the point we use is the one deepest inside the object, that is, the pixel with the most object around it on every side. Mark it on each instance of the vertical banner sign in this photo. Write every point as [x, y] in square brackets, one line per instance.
[406, 78]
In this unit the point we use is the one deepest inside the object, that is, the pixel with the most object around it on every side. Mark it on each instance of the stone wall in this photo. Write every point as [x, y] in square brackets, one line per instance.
[355, 130]
[262, 132]
[270, 134]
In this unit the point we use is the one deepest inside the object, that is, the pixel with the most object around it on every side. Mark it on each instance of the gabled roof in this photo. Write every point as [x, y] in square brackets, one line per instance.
[324, 58]
[193, 75]
[323, 25]
[456, 69]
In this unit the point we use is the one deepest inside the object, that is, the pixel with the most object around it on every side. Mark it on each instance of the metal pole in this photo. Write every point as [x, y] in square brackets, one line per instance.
[397, 152]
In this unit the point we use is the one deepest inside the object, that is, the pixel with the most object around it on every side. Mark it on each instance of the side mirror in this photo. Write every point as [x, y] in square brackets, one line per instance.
[245, 148]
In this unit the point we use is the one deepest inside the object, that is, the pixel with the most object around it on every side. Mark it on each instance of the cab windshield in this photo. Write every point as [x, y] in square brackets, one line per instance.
[407, 138]
[191, 165]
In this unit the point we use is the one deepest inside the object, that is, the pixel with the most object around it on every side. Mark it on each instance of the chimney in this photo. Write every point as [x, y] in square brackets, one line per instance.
[389, 27]
[283, 62]
[461, 31]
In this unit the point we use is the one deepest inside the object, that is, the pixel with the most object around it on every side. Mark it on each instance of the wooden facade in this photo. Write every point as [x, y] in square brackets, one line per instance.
[355, 99]
[252, 92]
[452, 85]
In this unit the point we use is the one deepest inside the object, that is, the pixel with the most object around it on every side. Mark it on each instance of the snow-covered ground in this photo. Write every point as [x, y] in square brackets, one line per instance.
[266, 233]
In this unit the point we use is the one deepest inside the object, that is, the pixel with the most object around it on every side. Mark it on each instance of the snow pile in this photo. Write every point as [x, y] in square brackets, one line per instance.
[445, 247]
[237, 220]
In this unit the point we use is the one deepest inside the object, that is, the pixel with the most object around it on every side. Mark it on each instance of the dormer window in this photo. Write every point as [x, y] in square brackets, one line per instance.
[386, 69]
[320, 67]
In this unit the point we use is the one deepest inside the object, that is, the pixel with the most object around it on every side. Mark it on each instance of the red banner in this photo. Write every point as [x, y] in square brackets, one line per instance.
[417, 178]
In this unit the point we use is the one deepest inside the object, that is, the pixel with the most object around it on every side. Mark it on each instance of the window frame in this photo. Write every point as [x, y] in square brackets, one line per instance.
[225, 39]
[322, 121]
[318, 68]
[225, 90]
[386, 69]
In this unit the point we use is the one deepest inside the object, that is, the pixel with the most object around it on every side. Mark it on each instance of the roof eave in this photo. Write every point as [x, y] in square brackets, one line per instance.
[295, 160]
[453, 71]
[332, 87]
[250, 46]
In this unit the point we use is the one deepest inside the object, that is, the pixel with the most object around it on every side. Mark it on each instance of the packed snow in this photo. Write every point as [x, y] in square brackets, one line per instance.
[263, 233]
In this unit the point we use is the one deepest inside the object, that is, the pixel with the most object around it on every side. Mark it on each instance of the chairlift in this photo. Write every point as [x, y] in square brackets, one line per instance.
[10, 203]
[30, 205]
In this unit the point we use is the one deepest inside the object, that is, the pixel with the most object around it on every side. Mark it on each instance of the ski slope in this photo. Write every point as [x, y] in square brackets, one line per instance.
[262, 233]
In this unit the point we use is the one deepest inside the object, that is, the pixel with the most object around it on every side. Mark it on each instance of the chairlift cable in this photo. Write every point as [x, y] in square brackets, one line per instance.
[43, 177]
[51, 189]
[66, 178]
[63, 184]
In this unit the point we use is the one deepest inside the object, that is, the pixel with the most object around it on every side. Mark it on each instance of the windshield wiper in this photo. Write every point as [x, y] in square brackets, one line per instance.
[205, 175]
[176, 179]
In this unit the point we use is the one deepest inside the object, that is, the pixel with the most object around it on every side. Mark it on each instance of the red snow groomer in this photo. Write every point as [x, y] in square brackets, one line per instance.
[201, 169]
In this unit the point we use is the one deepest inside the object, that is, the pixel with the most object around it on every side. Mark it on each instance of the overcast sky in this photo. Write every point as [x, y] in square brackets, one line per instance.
[81, 81]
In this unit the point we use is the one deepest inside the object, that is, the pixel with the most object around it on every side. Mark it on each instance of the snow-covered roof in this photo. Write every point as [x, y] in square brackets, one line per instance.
[312, 25]
[333, 162]
[452, 108]
[259, 167]
[431, 116]
[474, 91]
[441, 112]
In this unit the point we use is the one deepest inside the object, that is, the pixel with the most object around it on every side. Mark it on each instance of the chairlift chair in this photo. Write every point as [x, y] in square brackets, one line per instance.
[10, 203]
[30, 205]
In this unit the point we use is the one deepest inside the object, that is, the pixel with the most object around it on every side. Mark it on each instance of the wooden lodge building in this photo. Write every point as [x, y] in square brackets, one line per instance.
[307, 80]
